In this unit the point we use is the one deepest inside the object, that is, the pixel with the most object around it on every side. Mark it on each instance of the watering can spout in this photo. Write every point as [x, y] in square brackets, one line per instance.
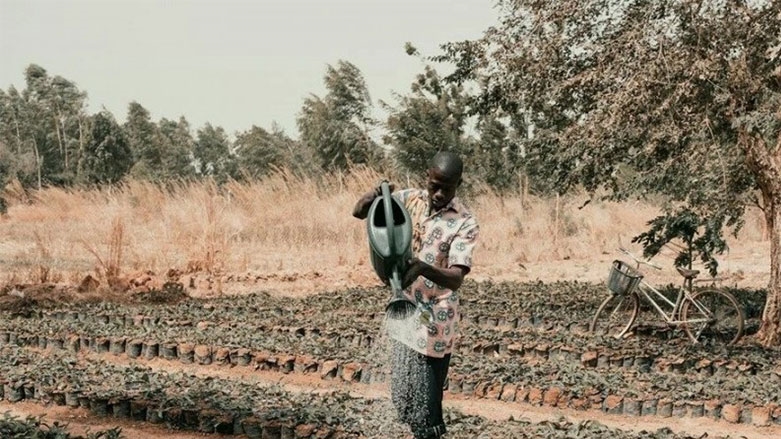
[390, 238]
[399, 307]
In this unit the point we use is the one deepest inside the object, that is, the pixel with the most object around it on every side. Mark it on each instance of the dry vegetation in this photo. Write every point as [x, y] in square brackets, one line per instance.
[285, 224]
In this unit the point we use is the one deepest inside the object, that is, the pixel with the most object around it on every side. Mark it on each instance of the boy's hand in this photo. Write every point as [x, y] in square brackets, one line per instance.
[361, 209]
[378, 189]
[415, 268]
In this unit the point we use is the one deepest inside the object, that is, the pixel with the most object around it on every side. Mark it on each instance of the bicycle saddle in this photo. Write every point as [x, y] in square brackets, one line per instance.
[687, 274]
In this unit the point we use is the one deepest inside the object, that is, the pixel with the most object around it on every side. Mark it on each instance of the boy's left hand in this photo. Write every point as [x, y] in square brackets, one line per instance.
[415, 268]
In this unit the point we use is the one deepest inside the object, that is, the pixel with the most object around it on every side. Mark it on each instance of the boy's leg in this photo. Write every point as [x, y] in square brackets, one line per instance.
[433, 426]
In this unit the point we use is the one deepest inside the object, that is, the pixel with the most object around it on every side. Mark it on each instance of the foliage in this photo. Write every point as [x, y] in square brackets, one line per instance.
[107, 155]
[55, 110]
[146, 143]
[178, 144]
[498, 155]
[260, 151]
[431, 118]
[42, 125]
[12, 427]
[212, 152]
[638, 97]
[696, 232]
[336, 127]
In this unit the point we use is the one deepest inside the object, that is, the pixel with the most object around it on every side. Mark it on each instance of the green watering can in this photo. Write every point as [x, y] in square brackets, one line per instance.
[390, 239]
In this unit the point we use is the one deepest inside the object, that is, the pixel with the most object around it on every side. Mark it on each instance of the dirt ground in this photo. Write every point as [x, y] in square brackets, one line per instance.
[746, 266]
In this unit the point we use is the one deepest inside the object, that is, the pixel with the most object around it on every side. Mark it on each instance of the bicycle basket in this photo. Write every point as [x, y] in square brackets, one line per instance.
[623, 279]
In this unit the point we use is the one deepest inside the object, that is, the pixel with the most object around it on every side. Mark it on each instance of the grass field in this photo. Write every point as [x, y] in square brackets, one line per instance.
[285, 224]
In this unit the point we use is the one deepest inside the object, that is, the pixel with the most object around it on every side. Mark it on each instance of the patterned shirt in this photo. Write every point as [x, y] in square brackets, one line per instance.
[442, 238]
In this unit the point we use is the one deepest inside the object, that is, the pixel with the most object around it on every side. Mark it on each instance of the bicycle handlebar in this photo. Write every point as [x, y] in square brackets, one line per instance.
[639, 261]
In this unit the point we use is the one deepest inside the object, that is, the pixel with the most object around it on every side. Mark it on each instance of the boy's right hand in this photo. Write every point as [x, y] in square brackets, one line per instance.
[378, 189]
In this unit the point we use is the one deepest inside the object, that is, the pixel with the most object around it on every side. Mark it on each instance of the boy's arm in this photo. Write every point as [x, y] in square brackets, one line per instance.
[450, 278]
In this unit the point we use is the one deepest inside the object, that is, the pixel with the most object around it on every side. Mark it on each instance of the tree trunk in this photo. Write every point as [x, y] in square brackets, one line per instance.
[64, 141]
[38, 162]
[59, 137]
[765, 161]
[770, 331]
[19, 142]
[80, 159]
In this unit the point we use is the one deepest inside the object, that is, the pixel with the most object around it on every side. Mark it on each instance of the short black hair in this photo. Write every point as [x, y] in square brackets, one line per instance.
[449, 163]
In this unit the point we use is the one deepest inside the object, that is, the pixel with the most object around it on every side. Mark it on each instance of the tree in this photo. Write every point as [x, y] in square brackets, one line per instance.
[16, 134]
[178, 145]
[678, 97]
[107, 156]
[337, 126]
[430, 119]
[212, 151]
[7, 164]
[55, 109]
[146, 143]
[22, 115]
[297, 156]
[498, 158]
[43, 126]
[260, 151]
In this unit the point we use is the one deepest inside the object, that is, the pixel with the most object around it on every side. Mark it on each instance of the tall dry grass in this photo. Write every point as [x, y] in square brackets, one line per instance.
[282, 223]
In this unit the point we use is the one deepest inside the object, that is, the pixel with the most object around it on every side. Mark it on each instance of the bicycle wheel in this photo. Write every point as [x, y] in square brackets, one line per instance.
[712, 317]
[615, 315]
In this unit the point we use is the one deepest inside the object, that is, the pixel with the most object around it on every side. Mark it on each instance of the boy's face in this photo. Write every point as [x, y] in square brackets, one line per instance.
[441, 188]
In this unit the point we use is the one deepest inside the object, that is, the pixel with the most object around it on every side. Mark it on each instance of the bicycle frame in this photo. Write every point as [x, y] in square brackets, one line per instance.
[684, 293]
[673, 318]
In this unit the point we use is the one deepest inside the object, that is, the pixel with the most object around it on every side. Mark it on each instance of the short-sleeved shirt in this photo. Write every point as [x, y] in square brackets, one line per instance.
[442, 238]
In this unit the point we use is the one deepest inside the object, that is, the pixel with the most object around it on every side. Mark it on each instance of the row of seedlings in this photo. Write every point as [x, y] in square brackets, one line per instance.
[503, 378]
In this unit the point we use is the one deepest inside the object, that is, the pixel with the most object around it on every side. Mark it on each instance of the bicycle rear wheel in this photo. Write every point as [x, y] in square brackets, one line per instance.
[712, 317]
[615, 315]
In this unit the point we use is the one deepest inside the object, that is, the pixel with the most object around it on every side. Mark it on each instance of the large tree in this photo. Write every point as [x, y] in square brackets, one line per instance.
[678, 97]
[431, 118]
[497, 155]
[44, 125]
[337, 126]
[258, 152]
[55, 108]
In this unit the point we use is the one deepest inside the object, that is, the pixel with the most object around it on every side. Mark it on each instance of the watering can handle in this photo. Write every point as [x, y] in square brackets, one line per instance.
[388, 207]
[395, 278]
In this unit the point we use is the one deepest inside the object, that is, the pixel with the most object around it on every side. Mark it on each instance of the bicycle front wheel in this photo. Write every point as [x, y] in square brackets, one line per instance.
[615, 315]
[712, 317]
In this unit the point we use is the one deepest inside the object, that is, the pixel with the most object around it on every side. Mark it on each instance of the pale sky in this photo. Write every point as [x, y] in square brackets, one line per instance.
[232, 63]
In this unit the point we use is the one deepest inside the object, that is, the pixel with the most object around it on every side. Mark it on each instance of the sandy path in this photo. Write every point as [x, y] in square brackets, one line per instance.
[745, 268]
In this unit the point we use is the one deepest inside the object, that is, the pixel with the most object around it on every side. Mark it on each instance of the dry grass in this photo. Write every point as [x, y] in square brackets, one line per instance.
[282, 224]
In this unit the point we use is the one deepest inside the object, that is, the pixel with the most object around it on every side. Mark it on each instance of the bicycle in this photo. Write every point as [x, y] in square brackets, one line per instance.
[708, 316]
